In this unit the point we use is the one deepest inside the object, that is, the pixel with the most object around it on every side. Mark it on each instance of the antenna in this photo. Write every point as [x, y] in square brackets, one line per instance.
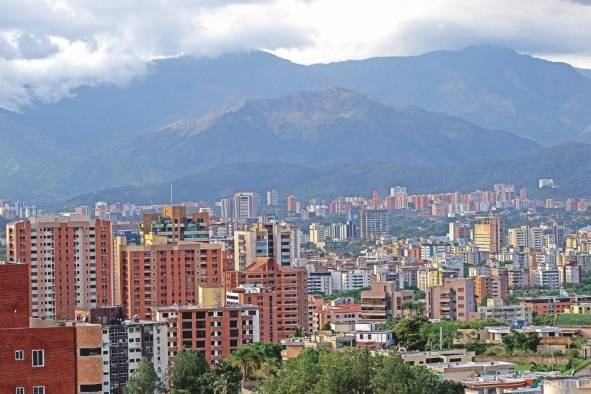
[171, 194]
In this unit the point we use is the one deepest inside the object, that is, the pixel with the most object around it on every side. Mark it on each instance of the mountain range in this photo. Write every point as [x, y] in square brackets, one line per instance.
[568, 164]
[191, 116]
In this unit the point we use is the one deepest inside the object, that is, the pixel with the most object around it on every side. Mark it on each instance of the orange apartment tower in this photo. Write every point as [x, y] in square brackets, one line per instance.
[69, 259]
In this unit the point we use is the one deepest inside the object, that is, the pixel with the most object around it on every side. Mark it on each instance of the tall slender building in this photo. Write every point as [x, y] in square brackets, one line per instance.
[272, 198]
[245, 206]
[280, 241]
[70, 262]
[373, 222]
[489, 233]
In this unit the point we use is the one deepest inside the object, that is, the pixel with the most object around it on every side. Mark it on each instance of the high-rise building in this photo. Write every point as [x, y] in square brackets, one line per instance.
[397, 190]
[489, 234]
[245, 206]
[161, 273]
[280, 241]
[292, 204]
[176, 225]
[226, 208]
[373, 222]
[458, 231]
[125, 343]
[263, 298]
[525, 236]
[289, 287]
[272, 198]
[69, 258]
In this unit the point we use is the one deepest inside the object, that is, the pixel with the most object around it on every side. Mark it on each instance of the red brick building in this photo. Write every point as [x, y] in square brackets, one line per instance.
[289, 294]
[69, 258]
[163, 274]
[38, 357]
[214, 330]
[14, 295]
[263, 298]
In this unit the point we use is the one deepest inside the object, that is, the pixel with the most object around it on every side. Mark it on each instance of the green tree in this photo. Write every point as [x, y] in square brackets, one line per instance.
[408, 332]
[345, 372]
[439, 335]
[256, 360]
[354, 371]
[475, 346]
[394, 376]
[520, 341]
[297, 376]
[144, 380]
[299, 332]
[186, 372]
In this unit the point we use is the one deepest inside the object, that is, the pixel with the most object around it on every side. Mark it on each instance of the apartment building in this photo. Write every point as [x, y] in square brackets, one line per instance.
[288, 287]
[351, 280]
[35, 354]
[497, 309]
[320, 283]
[263, 298]
[69, 258]
[245, 205]
[489, 234]
[489, 287]
[125, 343]
[373, 222]
[161, 273]
[383, 301]
[527, 237]
[280, 241]
[454, 300]
[176, 225]
[216, 330]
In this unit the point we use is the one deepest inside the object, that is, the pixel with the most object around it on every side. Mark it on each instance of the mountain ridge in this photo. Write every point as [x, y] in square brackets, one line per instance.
[328, 127]
[360, 178]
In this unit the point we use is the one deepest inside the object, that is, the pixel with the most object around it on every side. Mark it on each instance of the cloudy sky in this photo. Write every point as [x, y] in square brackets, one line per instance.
[48, 47]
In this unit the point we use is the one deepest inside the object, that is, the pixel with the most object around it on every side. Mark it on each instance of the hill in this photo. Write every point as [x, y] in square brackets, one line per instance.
[335, 126]
[360, 178]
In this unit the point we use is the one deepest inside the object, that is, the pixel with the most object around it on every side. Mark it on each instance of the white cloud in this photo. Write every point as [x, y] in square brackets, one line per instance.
[48, 47]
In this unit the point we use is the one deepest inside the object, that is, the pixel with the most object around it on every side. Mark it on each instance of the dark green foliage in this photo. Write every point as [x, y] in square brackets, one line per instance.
[143, 380]
[475, 346]
[258, 360]
[354, 371]
[520, 341]
[356, 294]
[446, 331]
[408, 332]
[190, 374]
[186, 370]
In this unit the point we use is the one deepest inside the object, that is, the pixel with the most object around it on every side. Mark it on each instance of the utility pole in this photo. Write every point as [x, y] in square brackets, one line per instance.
[440, 338]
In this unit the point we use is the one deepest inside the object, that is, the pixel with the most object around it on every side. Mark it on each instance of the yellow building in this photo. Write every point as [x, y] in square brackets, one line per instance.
[488, 234]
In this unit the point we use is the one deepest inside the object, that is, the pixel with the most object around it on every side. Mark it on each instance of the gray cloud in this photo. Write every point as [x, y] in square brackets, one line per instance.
[49, 47]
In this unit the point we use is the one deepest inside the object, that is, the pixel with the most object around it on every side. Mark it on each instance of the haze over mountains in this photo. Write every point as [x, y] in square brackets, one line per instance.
[188, 116]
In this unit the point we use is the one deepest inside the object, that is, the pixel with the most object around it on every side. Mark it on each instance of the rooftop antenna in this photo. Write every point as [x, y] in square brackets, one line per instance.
[171, 194]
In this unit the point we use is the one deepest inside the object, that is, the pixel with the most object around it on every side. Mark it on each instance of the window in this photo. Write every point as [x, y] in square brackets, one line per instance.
[19, 355]
[38, 389]
[85, 352]
[39, 361]
[90, 388]
[20, 390]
